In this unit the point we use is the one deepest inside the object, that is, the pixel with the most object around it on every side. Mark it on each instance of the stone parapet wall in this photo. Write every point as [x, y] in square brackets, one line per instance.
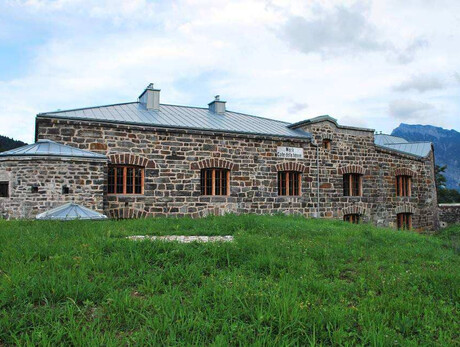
[85, 180]
[172, 179]
[449, 214]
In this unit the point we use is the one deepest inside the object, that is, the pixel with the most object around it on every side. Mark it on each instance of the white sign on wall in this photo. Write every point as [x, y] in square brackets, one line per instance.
[289, 152]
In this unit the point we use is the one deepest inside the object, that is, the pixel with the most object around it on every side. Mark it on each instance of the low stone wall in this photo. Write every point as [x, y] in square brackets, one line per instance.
[449, 214]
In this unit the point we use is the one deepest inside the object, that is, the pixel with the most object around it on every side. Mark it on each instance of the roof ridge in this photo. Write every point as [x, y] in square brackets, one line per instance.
[86, 108]
[235, 112]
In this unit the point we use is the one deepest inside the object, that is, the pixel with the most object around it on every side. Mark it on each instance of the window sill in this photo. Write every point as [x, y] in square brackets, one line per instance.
[130, 195]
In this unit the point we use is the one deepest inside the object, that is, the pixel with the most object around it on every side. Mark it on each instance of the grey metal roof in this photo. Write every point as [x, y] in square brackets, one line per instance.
[382, 139]
[323, 118]
[50, 148]
[70, 211]
[173, 116]
[419, 149]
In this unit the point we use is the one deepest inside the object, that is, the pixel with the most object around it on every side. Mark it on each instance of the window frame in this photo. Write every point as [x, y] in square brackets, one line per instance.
[124, 182]
[7, 184]
[350, 180]
[354, 218]
[214, 181]
[403, 186]
[404, 221]
[292, 185]
[326, 144]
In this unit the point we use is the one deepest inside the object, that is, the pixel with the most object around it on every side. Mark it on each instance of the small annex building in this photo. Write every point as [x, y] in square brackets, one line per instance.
[148, 159]
[43, 175]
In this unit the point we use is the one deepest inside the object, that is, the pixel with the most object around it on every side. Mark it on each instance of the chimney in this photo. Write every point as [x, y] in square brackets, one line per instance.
[150, 98]
[217, 106]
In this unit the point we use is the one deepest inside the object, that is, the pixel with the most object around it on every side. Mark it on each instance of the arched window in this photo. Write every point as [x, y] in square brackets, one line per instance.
[403, 185]
[404, 221]
[289, 183]
[125, 179]
[215, 181]
[126, 174]
[352, 218]
[352, 184]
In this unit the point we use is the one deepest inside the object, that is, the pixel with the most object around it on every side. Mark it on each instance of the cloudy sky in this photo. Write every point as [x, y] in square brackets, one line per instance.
[367, 63]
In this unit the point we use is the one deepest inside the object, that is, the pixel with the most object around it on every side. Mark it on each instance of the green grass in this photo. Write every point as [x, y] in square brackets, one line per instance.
[284, 281]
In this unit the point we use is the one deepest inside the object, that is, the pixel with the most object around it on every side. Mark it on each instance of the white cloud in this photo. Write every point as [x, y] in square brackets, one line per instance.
[412, 111]
[99, 52]
[421, 83]
[333, 31]
[297, 107]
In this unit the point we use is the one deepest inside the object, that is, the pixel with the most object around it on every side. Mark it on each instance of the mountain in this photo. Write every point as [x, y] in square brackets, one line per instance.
[446, 147]
[6, 143]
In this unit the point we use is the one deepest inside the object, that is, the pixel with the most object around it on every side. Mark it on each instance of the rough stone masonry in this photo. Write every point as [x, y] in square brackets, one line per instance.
[174, 145]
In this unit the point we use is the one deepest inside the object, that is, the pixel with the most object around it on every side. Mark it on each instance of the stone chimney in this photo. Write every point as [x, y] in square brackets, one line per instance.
[217, 106]
[150, 98]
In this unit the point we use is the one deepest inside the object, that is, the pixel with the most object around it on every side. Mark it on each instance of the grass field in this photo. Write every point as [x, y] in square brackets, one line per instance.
[284, 281]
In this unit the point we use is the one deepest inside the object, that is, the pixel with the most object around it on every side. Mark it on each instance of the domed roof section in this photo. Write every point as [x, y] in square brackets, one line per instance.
[70, 211]
[48, 148]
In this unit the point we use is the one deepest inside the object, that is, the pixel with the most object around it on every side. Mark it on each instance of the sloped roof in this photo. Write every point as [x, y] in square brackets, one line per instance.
[183, 117]
[382, 139]
[48, 148]
[418, 149]
[70, 211]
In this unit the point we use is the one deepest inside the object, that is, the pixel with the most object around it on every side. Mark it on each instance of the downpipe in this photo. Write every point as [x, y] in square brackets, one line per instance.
[315, 144]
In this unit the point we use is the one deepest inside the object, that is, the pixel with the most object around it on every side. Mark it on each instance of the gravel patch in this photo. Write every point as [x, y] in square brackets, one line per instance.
[182, 239]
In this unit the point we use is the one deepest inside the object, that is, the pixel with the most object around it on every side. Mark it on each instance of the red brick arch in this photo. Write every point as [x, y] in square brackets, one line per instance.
[405, 209]
[131, 159]
[291, 166]
[214, 163]
[404, 172]
[356, 169]
[126, 213]
[355, 209]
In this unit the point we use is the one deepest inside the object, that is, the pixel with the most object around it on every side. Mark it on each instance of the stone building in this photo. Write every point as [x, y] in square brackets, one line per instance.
[37, 177]
[167, 160]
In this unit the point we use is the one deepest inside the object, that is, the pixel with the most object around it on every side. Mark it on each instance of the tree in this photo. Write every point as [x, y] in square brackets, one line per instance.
[444, 195]
[439, 176]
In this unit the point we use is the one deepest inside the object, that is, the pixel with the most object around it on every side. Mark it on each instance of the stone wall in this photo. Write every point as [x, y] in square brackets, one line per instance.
[449, 214]
[85, 180]
[355, 147]
[172, 179]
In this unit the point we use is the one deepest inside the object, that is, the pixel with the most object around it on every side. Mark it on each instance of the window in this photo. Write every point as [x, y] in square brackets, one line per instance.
[403, 186]
[4, 191]
[327, 144]
[289, 183]
[352, 185]
[352, 218]
[65, 190]
[404, 221]
[215, 182]
[125, 179]
[34, 189]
